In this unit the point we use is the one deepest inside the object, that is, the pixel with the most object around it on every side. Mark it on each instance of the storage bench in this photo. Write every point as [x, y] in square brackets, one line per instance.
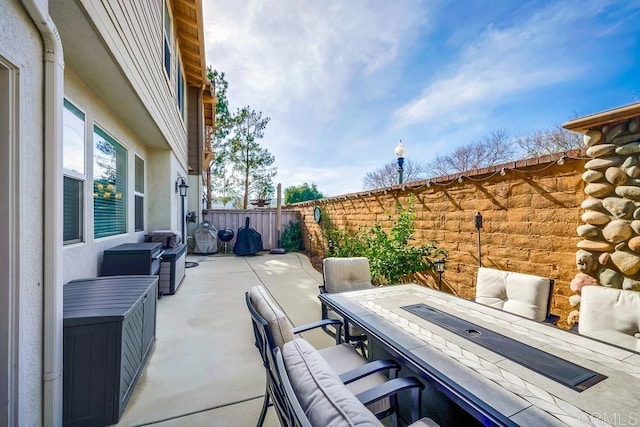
[109, 326]
[172, 267]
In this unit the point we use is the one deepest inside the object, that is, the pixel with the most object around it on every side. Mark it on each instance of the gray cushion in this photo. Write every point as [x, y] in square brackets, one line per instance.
[517, 293]
[272, 314]
[346, 274]
[343, 358]
[324, 398]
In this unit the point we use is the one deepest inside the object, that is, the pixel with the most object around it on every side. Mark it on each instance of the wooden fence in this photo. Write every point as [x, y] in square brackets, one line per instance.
[261, 220]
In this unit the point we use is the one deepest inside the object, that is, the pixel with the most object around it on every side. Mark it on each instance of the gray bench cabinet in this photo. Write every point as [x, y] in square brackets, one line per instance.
[109, 330]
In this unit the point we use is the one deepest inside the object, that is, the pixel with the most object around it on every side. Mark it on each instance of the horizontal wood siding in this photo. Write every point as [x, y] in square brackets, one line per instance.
[133, 31]
[261, 220]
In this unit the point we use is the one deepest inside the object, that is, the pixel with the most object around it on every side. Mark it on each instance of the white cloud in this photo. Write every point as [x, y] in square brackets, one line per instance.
[340, 79]
[502, 63]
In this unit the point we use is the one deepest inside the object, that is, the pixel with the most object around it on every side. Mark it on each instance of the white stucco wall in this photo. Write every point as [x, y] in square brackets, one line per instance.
[83, 260]
[21, 45]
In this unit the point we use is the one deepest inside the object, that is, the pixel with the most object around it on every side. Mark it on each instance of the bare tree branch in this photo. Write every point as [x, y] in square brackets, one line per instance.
[386, 176]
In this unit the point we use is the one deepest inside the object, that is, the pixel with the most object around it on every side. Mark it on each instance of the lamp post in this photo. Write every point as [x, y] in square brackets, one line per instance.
[400, 151]
[440, 269]
[181, 187]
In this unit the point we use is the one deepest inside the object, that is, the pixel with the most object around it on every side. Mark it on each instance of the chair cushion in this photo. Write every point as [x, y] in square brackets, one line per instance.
[343, 358]
[354, 330]
[611, 315]
[522, 294]
[346, 274]
[324, 398]
[272, 314]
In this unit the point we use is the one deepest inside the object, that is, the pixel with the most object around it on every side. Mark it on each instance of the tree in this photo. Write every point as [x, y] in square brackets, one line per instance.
[551, 140]
[301, 193]
[491, 150]
[252, 164]
[217, 174]
[388, 174]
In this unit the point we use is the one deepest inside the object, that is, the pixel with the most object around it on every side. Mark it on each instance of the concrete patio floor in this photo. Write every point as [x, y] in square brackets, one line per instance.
[204, 369]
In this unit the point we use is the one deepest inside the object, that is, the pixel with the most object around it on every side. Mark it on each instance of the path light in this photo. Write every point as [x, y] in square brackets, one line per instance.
[477, 220]
[440, 269]
[400, 152]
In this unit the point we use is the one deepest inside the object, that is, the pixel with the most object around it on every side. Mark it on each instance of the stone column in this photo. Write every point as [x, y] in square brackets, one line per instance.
[609, 252]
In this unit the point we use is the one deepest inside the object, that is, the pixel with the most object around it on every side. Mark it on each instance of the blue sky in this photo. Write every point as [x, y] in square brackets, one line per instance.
[344, 81]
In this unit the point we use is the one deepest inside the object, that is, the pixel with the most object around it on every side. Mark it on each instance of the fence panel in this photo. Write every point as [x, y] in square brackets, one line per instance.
[261, 220]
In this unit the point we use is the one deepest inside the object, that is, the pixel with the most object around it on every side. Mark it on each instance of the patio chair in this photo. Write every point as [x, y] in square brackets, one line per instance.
[272, 330]
[342, 275]
[523, 294]
[610, 315]
[316, 396]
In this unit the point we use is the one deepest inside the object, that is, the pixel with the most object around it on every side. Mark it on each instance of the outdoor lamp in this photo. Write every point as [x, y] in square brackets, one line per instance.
[440, 269]
[181, 186]
[400, 155]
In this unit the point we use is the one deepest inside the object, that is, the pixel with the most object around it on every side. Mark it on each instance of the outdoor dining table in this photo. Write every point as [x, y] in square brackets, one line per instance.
[501, 368]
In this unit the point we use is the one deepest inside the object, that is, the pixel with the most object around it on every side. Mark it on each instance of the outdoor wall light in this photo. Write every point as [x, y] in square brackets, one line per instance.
[440, 269]
[460, 180]
[181, 186]
[503, 172]
[560, 161]
[400, 152]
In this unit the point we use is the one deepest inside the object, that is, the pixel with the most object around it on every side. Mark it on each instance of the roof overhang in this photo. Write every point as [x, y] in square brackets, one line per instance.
[584, 124]
[189, 24]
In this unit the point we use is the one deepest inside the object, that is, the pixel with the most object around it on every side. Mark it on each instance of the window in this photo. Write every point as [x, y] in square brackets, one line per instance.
[73, 161]
[167, 40]
[180, 90]
[139, 194]
[109, 185]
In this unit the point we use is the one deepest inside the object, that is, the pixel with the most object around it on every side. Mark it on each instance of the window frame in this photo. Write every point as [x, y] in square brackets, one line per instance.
[168, 47]
[76, 176]
[138, 194]
[121, 207]
[180, 89]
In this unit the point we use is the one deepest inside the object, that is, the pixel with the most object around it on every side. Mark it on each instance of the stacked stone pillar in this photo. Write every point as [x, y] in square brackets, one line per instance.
[609, 250]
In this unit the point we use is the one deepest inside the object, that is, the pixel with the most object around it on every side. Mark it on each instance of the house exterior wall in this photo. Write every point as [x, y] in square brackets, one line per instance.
[530, 217]
[21, 45]
[82, 260]
[114, 73]
[133, 33]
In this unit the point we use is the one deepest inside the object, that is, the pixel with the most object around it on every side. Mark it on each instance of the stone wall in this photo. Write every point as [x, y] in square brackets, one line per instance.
[609, 253]
[530, 218]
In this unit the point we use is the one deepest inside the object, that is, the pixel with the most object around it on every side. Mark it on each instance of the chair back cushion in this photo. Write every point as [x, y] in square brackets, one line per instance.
[324, 398]
[278, 323]
[517, 293]
[346, 274]
[611, 315]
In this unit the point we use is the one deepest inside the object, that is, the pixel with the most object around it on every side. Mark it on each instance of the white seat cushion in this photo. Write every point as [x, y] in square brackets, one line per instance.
[611, 315]
[346, 274]
[278, 323]
[522, 294]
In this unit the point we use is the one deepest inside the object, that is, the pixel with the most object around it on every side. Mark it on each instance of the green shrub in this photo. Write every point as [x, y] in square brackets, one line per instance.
[391, 255]
[291, 238]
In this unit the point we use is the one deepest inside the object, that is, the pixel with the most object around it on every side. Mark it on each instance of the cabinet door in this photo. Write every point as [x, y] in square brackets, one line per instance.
[132, 351]
[90, 355]
[149, 325]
